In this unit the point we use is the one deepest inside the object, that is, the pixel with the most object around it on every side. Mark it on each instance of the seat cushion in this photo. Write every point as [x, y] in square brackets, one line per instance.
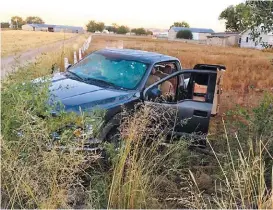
[151, 80]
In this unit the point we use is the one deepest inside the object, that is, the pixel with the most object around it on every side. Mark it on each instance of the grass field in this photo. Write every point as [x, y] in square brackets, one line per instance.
[14, 41]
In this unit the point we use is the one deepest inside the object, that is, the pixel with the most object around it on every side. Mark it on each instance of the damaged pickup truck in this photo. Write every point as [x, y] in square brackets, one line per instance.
[112, 78]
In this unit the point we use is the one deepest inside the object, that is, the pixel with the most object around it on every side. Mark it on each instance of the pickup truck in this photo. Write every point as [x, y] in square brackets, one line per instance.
[112, 78]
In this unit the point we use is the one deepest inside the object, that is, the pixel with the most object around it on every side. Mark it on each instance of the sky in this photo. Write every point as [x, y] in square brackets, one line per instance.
[138, 13]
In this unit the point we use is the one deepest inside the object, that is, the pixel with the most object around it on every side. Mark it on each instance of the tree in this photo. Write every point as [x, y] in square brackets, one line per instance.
[122, 30]
[149, 32]
[5, 25]
[111, 29]
[237, 17]
[93, 26]
[180, 24]
[184, 34]
[115, 25]
[253, 15]
[139, 31]
[261, 17]
[34, 19]
[100, 26]
[17, 22]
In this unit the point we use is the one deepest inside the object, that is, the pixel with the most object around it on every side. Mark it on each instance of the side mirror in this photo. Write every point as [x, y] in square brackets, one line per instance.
[69, 65]
[152, 93]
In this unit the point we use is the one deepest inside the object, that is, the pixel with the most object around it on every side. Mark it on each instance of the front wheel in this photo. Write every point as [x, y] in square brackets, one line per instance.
[114, 137]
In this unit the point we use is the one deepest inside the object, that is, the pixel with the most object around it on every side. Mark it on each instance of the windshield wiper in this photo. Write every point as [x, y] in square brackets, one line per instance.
[74, 74]
[103, 82]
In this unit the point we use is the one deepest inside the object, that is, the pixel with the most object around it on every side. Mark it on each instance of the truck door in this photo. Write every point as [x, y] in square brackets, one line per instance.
[189, 104]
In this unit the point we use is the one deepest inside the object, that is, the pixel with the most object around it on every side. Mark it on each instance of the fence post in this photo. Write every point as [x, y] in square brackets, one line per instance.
[80, 54]
[75, 57]
[65, 63]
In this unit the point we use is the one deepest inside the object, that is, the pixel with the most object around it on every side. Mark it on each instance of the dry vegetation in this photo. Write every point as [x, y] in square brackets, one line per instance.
[144, 174]
[14, 41]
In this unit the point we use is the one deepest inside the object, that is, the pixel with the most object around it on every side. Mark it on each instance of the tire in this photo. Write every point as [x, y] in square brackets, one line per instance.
[114, 137]
[109, 127]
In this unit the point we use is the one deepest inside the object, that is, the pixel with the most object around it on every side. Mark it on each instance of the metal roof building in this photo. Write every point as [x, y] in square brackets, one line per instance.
[198, 33]
[224, 34]
[223, 39]
[52, 28]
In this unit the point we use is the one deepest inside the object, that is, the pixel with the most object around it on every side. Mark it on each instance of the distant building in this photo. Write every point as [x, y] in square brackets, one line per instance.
[161, 35]
[105, 31]
[130, 34]
[264, 39]
[223, 39]
[52, 28]
[197, 33]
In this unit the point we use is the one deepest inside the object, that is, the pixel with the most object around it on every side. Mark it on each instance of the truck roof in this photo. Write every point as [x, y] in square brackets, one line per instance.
[136, 55]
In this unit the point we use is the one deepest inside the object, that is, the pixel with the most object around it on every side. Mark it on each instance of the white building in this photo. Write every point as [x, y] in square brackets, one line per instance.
[162, 35]
[197, 33]
[52, 28]
[245, 40]
[105, 31]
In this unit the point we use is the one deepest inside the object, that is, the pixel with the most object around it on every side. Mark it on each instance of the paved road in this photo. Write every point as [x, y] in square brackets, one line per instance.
[11, 63]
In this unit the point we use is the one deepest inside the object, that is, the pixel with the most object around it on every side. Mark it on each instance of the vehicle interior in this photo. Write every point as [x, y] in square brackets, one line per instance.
[192, 86]
[169, 87]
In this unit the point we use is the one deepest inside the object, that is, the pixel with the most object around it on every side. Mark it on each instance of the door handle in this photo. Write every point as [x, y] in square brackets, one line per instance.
[200, 113]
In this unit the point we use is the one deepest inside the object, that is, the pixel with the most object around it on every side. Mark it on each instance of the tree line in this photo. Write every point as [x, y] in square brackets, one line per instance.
[17, 21]
[93, 26]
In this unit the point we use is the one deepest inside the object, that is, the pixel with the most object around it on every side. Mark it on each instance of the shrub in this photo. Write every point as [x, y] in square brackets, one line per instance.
[184, 34]
[122, 30]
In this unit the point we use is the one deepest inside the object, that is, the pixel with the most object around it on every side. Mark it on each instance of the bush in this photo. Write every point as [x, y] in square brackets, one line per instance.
[122, 30]
[184, 34]
[139, 31]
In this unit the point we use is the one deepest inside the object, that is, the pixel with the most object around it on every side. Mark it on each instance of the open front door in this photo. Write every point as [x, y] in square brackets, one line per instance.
[220, 69]
[189, 102]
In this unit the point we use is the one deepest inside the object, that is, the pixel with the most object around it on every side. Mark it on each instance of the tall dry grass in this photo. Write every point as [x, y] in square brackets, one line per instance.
[46, 63]
[32, 175]
[132, 186]
[237, 174]
[16, 41]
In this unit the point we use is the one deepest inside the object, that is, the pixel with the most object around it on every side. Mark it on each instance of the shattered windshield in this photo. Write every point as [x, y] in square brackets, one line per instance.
[110, 70]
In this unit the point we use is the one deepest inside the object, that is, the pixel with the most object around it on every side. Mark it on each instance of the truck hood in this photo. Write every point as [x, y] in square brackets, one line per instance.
[74, 94]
